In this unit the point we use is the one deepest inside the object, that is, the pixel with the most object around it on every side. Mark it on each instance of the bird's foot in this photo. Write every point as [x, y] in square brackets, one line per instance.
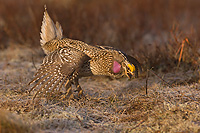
[80, 94]
[68, 94]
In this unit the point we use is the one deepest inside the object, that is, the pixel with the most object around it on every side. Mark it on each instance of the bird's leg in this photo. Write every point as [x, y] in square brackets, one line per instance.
[69, 93]
[79, 89]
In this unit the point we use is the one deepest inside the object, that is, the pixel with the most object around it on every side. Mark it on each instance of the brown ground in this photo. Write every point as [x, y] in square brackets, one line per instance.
[110, 105]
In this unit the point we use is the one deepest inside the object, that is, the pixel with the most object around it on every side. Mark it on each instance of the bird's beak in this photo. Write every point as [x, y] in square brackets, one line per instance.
[130, 71]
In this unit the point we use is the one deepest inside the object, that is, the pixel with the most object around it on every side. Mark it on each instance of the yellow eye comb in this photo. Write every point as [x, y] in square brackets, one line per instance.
[131, 67]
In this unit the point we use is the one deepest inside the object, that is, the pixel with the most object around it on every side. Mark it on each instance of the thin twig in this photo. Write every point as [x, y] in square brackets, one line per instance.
[181, 53]
[79, 120]
[33, 63]
[147, 75]
[191, 46]
[138, 124]
[160, 78]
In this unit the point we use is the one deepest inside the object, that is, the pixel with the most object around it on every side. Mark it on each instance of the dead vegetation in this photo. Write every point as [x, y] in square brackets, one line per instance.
[110, 105]
[162, 35]
[11, 123]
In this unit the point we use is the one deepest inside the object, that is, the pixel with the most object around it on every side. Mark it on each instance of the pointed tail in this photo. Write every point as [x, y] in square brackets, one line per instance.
[49, 30]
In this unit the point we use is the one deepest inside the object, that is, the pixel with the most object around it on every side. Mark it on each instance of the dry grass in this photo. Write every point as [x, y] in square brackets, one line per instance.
[109, 106]
[11, 123]
[162, 35]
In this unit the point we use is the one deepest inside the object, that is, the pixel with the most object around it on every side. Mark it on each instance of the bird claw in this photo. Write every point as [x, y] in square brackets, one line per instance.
[80, 93]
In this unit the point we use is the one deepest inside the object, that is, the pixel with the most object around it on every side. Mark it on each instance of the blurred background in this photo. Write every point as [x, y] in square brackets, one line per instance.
[161, 34]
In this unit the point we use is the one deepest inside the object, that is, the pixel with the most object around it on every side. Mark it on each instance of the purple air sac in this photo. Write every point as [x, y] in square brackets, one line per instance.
[116, 67]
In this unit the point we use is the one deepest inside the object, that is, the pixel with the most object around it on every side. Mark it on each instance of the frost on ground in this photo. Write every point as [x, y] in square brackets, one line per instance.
[110, 105]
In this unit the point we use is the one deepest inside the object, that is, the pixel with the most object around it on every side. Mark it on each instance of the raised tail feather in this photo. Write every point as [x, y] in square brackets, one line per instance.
[49, 30]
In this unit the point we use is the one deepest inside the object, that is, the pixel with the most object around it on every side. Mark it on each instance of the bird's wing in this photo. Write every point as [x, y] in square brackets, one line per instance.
[57, 68]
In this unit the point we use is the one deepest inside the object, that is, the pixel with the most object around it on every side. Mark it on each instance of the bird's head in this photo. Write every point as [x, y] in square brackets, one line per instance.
[122, 64]
[125, 65]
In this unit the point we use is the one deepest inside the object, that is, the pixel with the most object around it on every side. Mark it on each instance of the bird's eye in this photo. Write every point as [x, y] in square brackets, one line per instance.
[116, 67]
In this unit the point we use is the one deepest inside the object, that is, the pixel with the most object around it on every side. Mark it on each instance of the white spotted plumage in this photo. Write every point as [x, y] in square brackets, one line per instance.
[68, 60]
